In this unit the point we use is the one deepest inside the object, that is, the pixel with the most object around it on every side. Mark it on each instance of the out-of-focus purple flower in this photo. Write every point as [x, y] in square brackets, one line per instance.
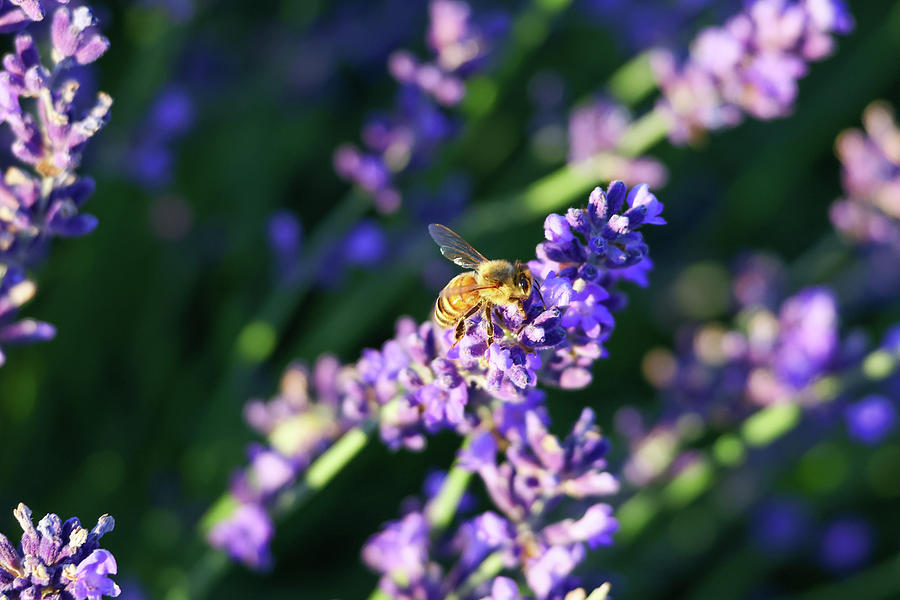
[718, 376]
[595, 129]
[869, 212]
[56, 558]
[750, 64]
[245, 535]
[15, 291]
[298, 428]
[639, 24]
[285, 235]
[169, 118]
[400, 550]
[409, 135]
[780, 525]
[871, 419]
[365, 244]
[723, 373]
[846, 543]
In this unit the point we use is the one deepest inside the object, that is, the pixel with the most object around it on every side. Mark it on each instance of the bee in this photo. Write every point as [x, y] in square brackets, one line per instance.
[490, 284]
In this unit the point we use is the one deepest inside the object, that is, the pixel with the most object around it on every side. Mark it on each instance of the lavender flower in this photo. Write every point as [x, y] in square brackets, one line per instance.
[540, 474]
[459, 46]
[597, 128]
[770, 359]
[57, 560]
[846, 543]
[298, 428]
[719, 376]
[42, 200]
[869, 213]
[408, 136]
[15, 291]
[750, 64]
[170, 116]
[871, 419]
[284, 234]
[541, 480]
[15, 15]
[419, 382]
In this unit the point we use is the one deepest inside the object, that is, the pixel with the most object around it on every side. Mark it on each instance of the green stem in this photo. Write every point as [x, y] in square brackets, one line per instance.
[443, 506]
[490, 567]
[633, 81]
[644, 133]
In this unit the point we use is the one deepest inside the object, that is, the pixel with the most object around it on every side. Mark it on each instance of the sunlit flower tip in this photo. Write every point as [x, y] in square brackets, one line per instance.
[73, 35]
[871, 419]
[32, 8]
[245, 535]
[91, 577]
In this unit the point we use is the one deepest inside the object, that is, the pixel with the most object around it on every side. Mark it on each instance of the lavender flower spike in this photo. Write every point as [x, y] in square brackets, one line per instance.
[421, 382]
[750, 64]
[41, 199]
[58, 560]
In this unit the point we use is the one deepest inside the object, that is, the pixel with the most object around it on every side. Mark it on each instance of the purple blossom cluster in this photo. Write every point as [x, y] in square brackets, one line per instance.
[170, 116]
[596, 128]
[751, 64]
[41, 199]
[408, 136]
[539, 481]
[721, 375]
[869, 212]
[57, 560]
[420, 382]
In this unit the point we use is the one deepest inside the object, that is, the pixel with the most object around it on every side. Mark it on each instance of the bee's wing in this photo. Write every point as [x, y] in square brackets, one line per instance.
[454, 248]
[459, 290]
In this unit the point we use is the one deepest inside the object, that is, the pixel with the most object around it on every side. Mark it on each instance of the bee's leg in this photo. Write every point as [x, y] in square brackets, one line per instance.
[521, 305]
[461, 324]
[489, 322]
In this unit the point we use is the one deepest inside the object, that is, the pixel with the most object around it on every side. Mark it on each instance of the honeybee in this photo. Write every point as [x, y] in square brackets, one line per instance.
[491, 283]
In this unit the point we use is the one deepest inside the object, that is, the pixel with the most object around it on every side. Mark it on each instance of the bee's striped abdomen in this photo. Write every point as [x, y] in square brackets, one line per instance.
[451, 306]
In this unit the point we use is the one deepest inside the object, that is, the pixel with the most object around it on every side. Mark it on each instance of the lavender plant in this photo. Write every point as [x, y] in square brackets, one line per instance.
[750, 65]
[410, 135]
[421, 382]
[57, 560]
[41, 199]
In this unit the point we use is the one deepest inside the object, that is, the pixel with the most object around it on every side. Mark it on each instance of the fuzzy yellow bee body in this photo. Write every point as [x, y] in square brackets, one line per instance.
[491, 283]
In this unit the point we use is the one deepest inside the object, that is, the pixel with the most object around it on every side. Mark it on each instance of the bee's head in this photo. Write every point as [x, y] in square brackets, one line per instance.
[523, 281]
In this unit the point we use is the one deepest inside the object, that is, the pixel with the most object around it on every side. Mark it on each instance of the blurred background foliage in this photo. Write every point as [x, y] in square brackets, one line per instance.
[135, 408]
